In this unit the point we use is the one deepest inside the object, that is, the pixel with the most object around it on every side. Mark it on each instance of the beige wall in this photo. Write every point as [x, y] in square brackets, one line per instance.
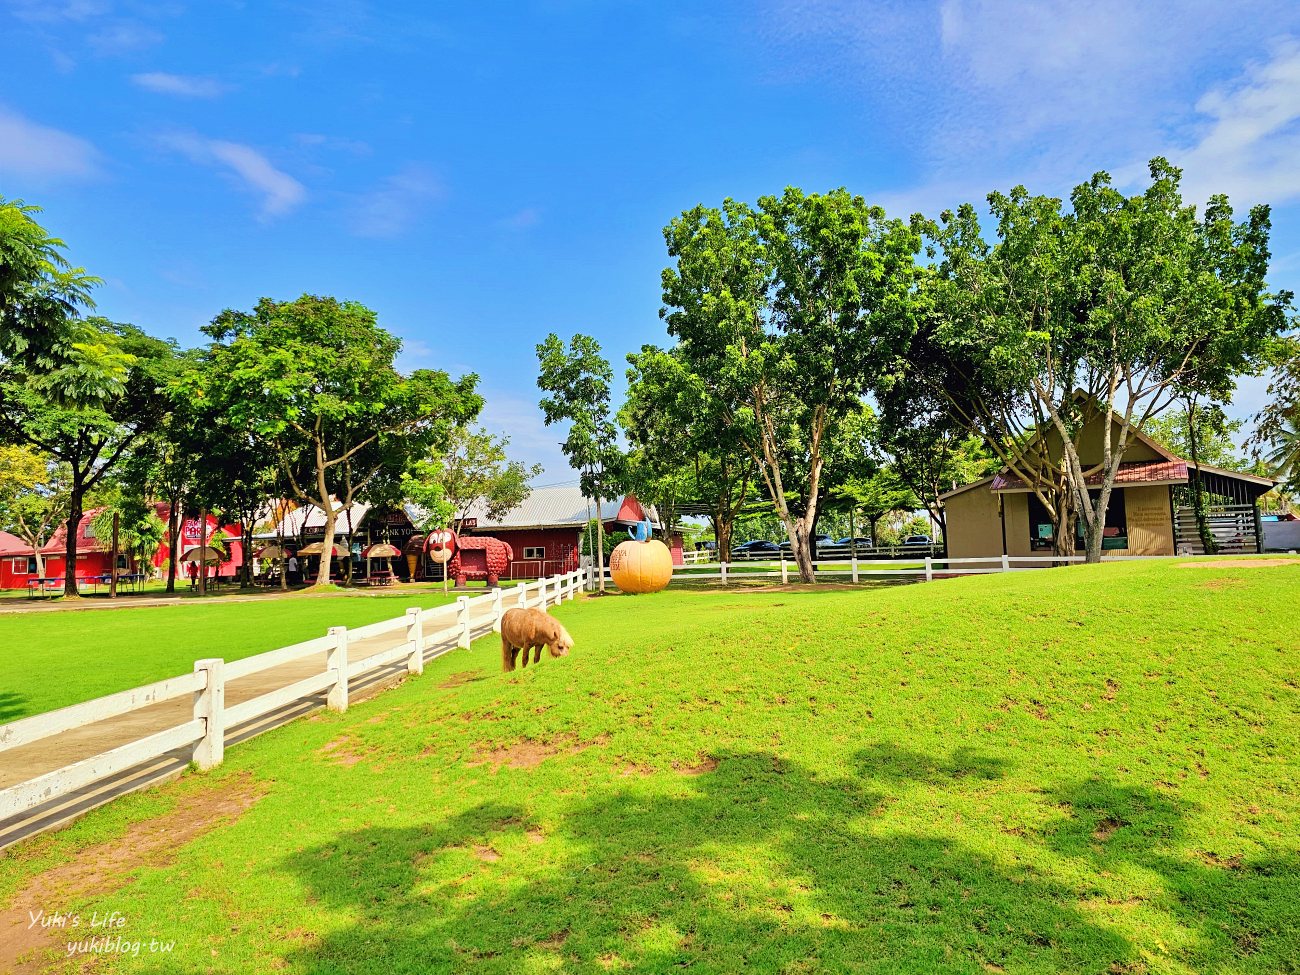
[1015, 509]
[1150, 525]
[974, 529]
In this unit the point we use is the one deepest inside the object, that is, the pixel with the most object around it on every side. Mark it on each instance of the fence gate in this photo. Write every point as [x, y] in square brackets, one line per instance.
[1234, 527]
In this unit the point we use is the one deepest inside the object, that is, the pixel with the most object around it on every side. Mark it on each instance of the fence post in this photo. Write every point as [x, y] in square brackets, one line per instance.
[573, 584]
[855, 567]
[462, 620]
[785, 571]
[541, 591]
[1006, 563]
[497, 611]
[929, 569]
[336, 661]
[415, 637]
[522, 599]
[723, 565]
[210, 706]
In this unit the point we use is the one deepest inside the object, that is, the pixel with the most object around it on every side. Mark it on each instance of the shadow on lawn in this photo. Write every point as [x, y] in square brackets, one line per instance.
[759, 866]
[11, 705]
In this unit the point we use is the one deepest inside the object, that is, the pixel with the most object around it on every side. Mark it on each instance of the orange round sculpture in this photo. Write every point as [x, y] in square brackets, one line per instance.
[640, 567]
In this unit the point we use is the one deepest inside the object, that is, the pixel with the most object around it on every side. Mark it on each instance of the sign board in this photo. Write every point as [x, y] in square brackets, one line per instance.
[469, 523]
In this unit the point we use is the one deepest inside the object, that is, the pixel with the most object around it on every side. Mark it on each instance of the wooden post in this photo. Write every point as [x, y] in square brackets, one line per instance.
[929, 569]
[462, 620]
[210, 706]
[415, 637]
[112, 565]
[785, 570]
[723, 566]
[522, 599]
[497, 611]
[336, 662]
[855, 567]
[1006, 563]
[541, 589]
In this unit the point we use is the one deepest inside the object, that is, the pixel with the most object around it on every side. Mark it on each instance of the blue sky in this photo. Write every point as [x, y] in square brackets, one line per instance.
[483, 175]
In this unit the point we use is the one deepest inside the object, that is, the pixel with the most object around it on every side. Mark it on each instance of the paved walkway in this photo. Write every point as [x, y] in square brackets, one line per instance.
[29, 761]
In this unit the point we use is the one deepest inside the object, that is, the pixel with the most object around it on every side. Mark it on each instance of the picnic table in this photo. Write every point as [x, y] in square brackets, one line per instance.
[39, 585]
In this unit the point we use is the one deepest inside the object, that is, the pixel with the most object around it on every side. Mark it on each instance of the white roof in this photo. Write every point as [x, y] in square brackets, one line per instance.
[309, 516]
[558, 505]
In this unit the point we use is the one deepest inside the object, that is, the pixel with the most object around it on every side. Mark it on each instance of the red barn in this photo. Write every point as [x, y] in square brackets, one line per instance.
[546, 530]
[17, 562]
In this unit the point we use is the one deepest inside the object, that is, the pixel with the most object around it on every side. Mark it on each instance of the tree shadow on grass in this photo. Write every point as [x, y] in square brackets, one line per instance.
[1240, 909]
[11, 705]
[759, 866]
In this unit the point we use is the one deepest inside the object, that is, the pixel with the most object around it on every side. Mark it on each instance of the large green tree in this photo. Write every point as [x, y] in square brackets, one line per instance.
[92, 435]
[314, 380]
[1115, 306]
[576, 379]
[475, 470]
[33, 496]
[684, 453]
[787, 314]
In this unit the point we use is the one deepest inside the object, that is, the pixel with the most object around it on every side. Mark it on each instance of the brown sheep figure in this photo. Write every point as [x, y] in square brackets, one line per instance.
[531, 629]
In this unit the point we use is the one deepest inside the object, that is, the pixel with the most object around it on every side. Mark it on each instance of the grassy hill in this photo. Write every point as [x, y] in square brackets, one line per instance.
[1091, 769]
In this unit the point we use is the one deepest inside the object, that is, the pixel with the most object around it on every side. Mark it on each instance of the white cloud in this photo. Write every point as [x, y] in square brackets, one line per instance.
[51, 11]
[34, 151]
[186, 86]
[531, 440]
[125, 37]
[522, 220]
[279, 191]
[1250, 146]
[397, 204]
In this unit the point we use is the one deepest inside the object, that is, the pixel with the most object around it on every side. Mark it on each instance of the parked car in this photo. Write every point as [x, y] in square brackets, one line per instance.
[918, 540]
[758, 546]
[821, 540]
[859, 541]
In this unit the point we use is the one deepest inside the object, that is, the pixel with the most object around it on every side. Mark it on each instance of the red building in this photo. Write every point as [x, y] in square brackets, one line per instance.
[546, 530]
[189, 538]
[94, 555]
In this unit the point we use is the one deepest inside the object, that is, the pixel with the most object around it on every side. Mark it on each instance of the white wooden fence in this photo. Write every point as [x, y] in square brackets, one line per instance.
[419, 636]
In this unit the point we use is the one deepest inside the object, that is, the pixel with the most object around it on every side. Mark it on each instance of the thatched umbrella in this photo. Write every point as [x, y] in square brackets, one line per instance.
[380, 550]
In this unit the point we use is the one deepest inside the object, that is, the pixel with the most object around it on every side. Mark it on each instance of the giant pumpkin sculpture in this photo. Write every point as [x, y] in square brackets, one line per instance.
[642, 564]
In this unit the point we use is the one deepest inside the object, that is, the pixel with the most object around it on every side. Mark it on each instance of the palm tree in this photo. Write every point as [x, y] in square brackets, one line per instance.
[1284, 462]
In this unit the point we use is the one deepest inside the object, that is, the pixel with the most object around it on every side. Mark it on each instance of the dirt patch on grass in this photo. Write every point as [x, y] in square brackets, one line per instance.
[1238, 563]
[529, 753]
[1107, 828]
[101, 869]
[486, 854]
[339, 752]
[465, 677]
[1222, 862]
[702, 767]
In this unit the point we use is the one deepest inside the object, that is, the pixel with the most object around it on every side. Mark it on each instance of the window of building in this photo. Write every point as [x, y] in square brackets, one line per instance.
[24, 565]
[1114, 535]
[535, 553]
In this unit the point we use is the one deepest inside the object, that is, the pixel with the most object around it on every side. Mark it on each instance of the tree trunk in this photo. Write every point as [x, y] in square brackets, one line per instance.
[75, 512]
[1209, 543]
[722, 531]
[327, 546]
[246, 570]
[600, 549]
[1094, 528]
[173, 541]
[800, 542]
[112, 562]
[203, 551]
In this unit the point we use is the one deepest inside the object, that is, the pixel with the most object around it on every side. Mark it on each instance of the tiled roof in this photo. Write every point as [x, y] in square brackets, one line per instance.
[1132, 472]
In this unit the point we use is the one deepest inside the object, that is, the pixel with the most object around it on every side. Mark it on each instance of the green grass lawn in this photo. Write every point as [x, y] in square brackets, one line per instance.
[53, 659]
[1094, 769]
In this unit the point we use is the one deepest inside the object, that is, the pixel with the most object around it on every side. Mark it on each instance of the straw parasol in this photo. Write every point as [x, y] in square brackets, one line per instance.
[206, 553]
[271, 552]
[318, 548]
[381, 550]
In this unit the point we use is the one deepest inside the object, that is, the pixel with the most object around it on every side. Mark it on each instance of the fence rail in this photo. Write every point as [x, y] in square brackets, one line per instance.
[420, 635]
